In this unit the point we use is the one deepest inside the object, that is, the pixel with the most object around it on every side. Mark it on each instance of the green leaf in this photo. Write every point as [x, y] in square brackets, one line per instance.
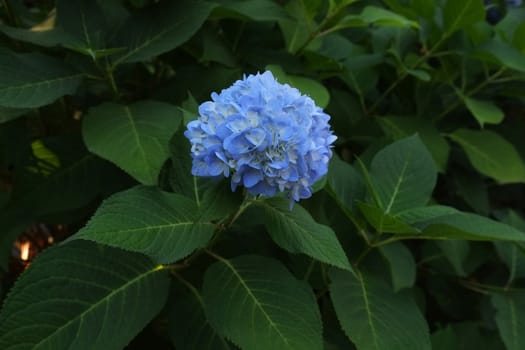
[503, 54]
[374, 317]
[255, 10]
[258, 304]
[34, 80]
[182, 181]
[187, 324]
[461, 14]
[215, 49]
[456, 253]
[383, 17]
[160, 28]
[484, 111]
[403, 175]
[421, 214]
[512, 254]
[444, 339]
[519, 37]
[401, 127]
[297, 232]
[218, 201]
[510, 318]
[298, 30]
[84, 22]
[134, 137]
[384, 222]
[345, 183]
[402, 265]
[491, 155]
[165, 226]
[82, 296]
[214, 199]
[373, 15]
[469, 226]
[306, 86]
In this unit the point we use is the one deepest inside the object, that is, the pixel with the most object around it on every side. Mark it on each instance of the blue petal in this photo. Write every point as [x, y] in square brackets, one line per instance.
[255, 136]
[236, 144]
[251, 177]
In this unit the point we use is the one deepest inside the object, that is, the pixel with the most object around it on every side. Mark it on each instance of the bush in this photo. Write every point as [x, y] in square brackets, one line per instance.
[412, 240]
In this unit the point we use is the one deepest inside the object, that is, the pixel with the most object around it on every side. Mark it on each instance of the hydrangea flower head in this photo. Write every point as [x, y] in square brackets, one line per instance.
[265, 135]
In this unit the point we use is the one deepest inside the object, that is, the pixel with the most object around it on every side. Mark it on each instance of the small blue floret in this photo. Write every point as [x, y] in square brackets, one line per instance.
[265, 135]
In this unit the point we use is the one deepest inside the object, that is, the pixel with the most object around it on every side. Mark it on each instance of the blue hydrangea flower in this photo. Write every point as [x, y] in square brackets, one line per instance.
[265, 135]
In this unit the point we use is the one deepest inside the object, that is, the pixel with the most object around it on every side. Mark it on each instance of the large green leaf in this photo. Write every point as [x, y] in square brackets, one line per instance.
[373, 15]
[374, 317]
[491, 155]
[188, 327]
[383, 17]
[181, 179]
[402, 265]
[297, 232]
[86, 25]
[469, 226]
[165, 226]
[345, 183]
[503, 54]
[422, 214]
[33, 80]
[259, 305]
[256, 10]
[400, 127]
[160, 28]
[383, 222]
[460, 14]
[82, 296]
[134, 137]
[403, 175]
[298, 30]
[510, 318]
[511, 253]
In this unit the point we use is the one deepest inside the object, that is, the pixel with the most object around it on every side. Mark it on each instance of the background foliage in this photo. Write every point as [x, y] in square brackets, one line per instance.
[414, 240]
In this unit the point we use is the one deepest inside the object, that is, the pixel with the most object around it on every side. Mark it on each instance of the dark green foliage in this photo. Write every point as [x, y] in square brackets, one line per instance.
[415, 239]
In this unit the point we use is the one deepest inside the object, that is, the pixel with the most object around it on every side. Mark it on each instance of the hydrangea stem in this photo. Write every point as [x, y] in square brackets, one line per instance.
[244, 205]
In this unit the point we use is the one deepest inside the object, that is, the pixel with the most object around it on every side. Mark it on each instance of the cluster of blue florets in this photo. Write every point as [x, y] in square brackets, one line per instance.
[265, 135]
